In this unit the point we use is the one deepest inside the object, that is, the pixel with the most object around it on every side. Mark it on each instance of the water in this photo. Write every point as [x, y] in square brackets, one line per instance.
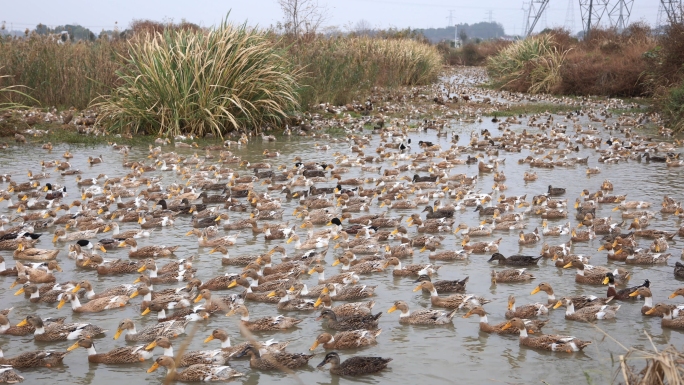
[437, 355]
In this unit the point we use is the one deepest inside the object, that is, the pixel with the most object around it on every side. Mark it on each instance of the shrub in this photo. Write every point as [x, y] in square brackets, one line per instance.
[184, 81]
[338, 69]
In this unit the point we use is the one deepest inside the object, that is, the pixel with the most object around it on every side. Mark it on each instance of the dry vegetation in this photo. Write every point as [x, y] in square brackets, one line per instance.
[170, 78]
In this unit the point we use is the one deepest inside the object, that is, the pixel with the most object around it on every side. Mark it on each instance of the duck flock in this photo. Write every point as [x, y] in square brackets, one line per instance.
[389, 202]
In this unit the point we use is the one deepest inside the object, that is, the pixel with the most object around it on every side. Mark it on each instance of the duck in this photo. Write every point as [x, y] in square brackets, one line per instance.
[169, 329]
[668, 321]
[195, 373]
[274, 361]
[348, 292]
[555, 231]
[587, 313]
[350, 339]
[61, 235]
[354, 366]
[53, 331]
[555, 191]
[409, 270]
[526, 311]
[210, 357]
[445, 286]
[579, 302]
[34, 359]
[551, 342]
[222, 336]
[346, 309]
[533, 326]
[9, 376]
[95, 305]
[344, 278]
[622, 294]
[646, 294]
[594, 275]
[510, 275]
[454, 301]
[288, 302]
[263, 324]
[354, 322]
[422, 317]
[147, 251]
[514, 260]
[33, 254]
[121, 355]
[315, 243]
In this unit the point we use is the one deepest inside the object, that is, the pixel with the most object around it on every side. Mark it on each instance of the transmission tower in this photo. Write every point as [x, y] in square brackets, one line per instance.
[674, 10]
[570, 16]
[619, 14]
[535, 10]
[592, 12]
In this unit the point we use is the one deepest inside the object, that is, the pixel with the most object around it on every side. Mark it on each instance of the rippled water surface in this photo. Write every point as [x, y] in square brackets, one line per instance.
[437, 355]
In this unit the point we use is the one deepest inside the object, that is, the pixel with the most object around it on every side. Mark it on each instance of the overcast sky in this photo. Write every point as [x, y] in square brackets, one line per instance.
[102, 14]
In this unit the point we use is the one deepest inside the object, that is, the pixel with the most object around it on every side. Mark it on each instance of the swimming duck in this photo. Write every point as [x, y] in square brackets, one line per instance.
[525, 311]
[594, 275]
[454, 301]
[344, 278]
[409, 270]
[207, 357]
[578, 301]
[350, 339]
[195, 373]
[147, 251]
[229, 350]
[422, 317]
[274, 361]
[95, 305]
[346, 309]
[555, 191]
[121, 355]
[34, 359]
[354, 366]
[169, 329]
[262, 324]
[622, 294]
[367, 321]
[646, 294]
[9, 376]
[668, 320]
[587, 313]
[33, 254]
[514, 260]
[552, 342]
[532, 326]
[444, 286]
[510, 275]
[53, 331]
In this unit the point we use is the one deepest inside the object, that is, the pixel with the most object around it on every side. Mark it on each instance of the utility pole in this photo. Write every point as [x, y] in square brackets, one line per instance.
[451, 17]
[591, 8]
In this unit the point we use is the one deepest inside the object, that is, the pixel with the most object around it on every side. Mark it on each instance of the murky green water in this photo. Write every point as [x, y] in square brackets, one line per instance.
[438, 355]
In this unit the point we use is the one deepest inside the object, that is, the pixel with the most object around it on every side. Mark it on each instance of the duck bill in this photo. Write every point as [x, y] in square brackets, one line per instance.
[318, 302]
[337, 262]
[134, 294]
[568, 265]
[419, 287]
[22, 323]
[103, 249]
[468, 314]
[72, 347]
[289, 240]
[20, 291]
[118, 334]
[506, 326]
[147, 310]
[606, 280]
[230, 313]
[312, 271]
[650, 311]
[151, 345]
[142, 268]
[271, 294]
[313, 346]
[154, 367]
[106, 229]
[232, 284]
[212, 251]
[61, 303]
[76, 289]
[557, 305]
[54, 239]
[673, 295]
[536, 290]
[210, 338]
[199, 298]
[634, 293]
[392, 309]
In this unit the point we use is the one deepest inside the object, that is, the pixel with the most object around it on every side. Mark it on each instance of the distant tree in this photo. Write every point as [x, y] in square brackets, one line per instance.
[463, 35]
[42, 29]
[302, 16]
[363, 27]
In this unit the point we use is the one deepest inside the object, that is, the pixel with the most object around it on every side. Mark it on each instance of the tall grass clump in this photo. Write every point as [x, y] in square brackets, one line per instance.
[67, 75]
[530, 65]
[338, 69]
[193, 82]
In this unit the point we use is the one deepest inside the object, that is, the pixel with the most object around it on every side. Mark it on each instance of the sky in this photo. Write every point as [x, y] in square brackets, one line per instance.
[343, 14]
